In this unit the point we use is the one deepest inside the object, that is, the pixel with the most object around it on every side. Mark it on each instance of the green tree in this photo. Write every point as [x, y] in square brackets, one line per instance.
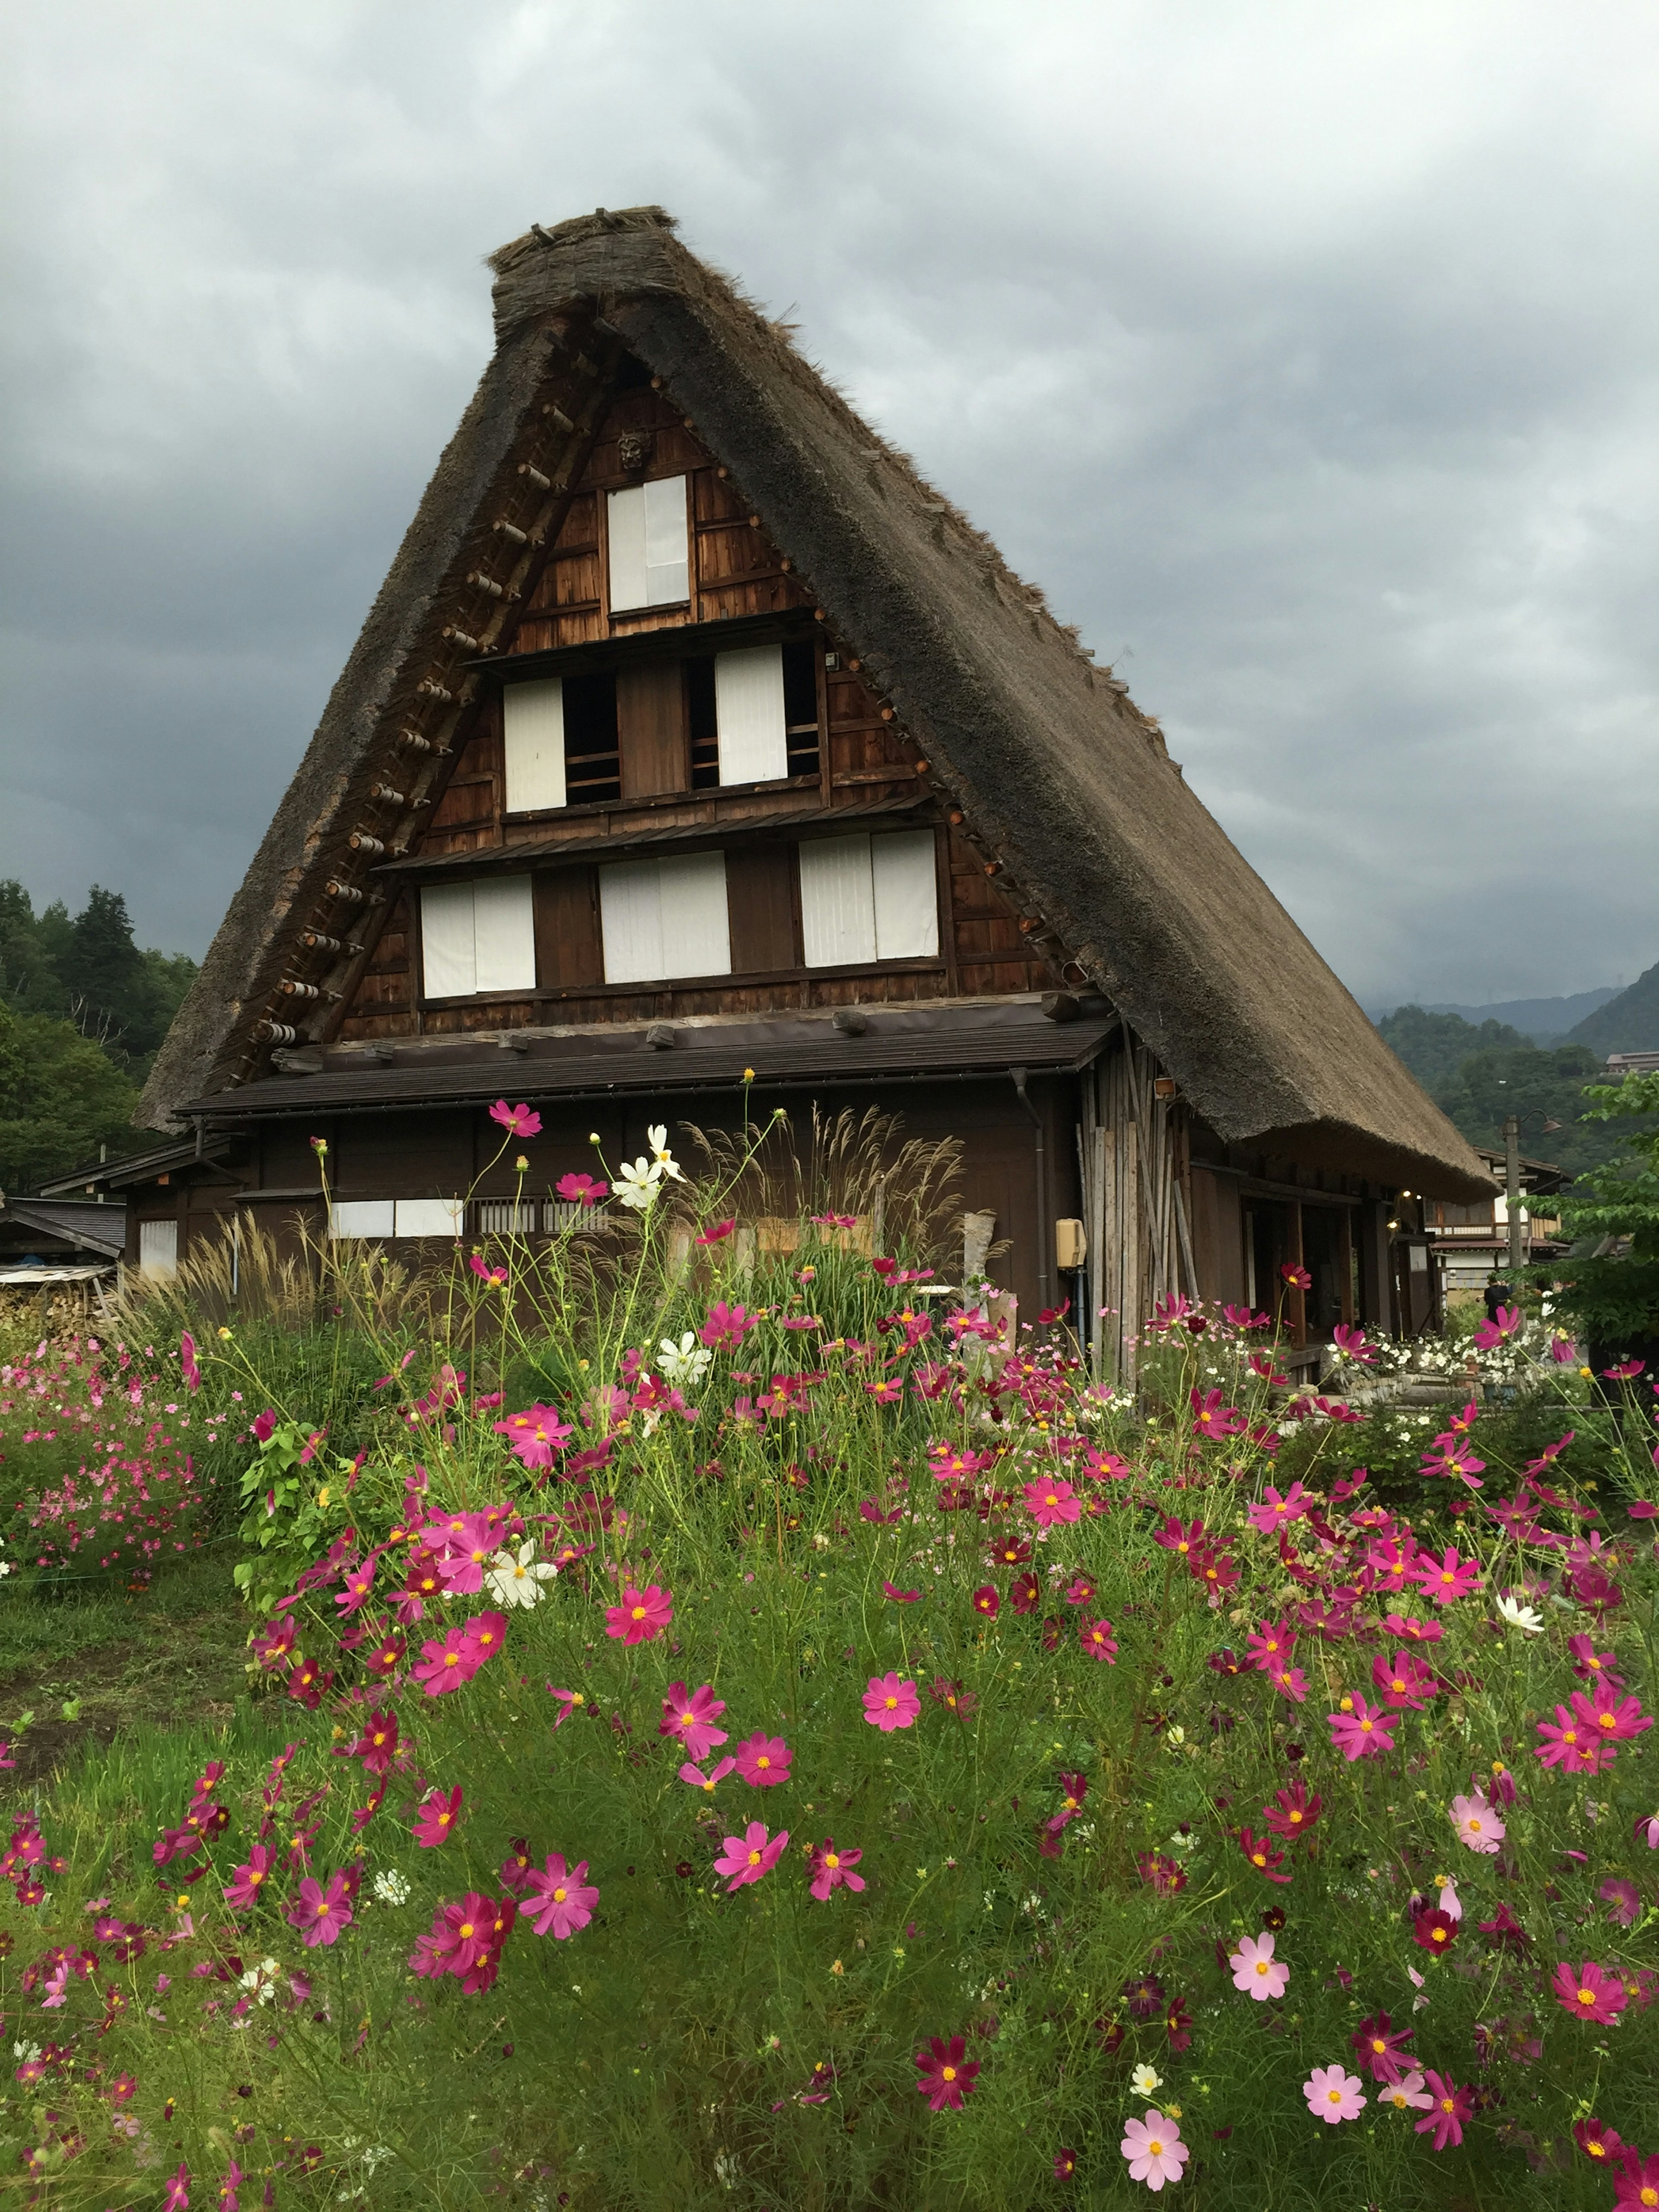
[28, 976]
[61, 1096]
[1609, 1282]
[1435, 1046]
[102, 969]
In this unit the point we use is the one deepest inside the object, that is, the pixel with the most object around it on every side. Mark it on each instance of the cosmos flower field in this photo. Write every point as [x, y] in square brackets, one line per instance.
[765, 1739]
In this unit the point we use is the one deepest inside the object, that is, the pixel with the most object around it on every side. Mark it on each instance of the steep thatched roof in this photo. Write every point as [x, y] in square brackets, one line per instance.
[1054, 766]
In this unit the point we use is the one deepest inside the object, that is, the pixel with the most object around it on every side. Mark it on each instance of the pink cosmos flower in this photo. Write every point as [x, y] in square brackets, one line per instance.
[1363, 1732]
[1266, 1857]
[1255, 1970]
[1623, 1898]
[1477, 1824]
[718, 1232]
[691, 1717]
[1447, 1578]
[1213, 1418]
[444, 1667]
[581, 1189]
[642, 1617]
[435, 1817]
[1588, 1993]
[191, 1372]
[1154, 2150]
[898, 1596]
[516, 1120]
[483, 1635]
[248, 1882]
[1292, 1812]
[890, 1703]
[698, 1780]
[1051, 1502]
[986, 1600]
[945, 2073]
[559, 1899]
[726, 1326]
[177, 2197]
[1450, 2106]
[746, 1857]
[1333, 2095]
[492, 1277]
[536, 1435]
[1098, 1640]
[319, 1914]
[1351, 1342]
[1609, 1717]
[1275, 1511]
[1296, 1277]
[1637, 2184]
[1382, 2046]
[1290, 1683]
[1568, 1743]
[1407, 2093]
[1403, 1680]
[763, 1760]
[831, 1867]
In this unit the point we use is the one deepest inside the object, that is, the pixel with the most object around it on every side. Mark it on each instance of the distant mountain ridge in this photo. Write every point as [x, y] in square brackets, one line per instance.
[1545, 1021]
[1629, 1023]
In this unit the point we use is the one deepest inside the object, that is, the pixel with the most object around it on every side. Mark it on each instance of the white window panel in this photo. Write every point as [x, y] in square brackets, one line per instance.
[749, 716]
[158, 1247]
[504, 934]
[663, 918]
[646, 532]
[448, 963]
[837, 901]
[362, 1217]
[533, 744]
[477, 937]
[429, 1217]
[906, 895]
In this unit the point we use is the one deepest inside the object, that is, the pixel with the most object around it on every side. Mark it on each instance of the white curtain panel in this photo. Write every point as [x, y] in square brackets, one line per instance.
[646, 533]
[504, 934]
[749, 714]
[906, 895]
[158, 1247]
[362, 1217]
[533, 744]
[837, 901]
[449, 968]
[428, 1217]
[663, 918]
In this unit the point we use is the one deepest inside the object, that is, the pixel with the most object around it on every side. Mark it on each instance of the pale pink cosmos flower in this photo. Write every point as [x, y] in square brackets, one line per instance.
[1477, 1824]
[746, 1857]
[1255, 1970]
[1333, 2095]
[690, 1716]
[890, 1703]
[1407, 2094]
[559, 1899]
[1154, 2150]
[698, 1780]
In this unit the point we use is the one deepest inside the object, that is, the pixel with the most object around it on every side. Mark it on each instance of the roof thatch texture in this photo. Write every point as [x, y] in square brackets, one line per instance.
[1054, 766]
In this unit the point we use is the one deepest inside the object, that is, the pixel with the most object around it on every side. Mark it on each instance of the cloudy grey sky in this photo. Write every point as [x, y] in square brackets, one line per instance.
[1308, 356]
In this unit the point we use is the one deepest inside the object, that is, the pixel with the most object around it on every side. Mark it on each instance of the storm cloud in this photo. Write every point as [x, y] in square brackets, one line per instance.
[1307, 357]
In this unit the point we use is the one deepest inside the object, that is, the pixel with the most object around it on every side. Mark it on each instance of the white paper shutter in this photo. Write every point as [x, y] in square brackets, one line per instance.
[533, 744]
[630, 921]
[697, 930]
[158, 1247]
[361, 1217]
[906, 895]
[504, 934]
[749, 714]
[429, 1217]
[646, 531]
[837, 905]
[448, 967]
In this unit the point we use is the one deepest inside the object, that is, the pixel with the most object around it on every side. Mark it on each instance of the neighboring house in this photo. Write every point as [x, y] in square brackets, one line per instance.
[48, 1242]
[1470, 1242]
[697, 756]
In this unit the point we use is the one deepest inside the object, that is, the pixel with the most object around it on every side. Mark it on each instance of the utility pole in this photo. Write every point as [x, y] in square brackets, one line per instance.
[1512, 1183]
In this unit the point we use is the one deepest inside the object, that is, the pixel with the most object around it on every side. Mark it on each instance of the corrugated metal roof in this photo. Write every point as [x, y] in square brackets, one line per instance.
[716, 1057]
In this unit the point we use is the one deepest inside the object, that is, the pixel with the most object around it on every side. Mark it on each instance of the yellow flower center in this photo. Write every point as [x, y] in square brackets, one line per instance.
[947, 2073]
[1154, 2147]
[638, 1613]
[832, 1858]
[1587, 1996]
[754, 1858]
[466, 1928]
[560, 1895]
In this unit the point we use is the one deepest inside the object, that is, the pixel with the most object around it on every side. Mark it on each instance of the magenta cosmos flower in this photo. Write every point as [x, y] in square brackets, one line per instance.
[1449, 2107]
[1051, 1502]
[1154, 2150]
[1098, 1640]
[1364, 1732]
[696, 1778]
[1567, 1742]
[559, 1899]
[641, 1616]
[516, 1120]
[536, 1436]
[763, 1760]
[444, 1667]
[831, 1867]
[1255, 1970]
[1477, 1824]
[748, 1856]
[435, 1817]
[890, 1703]
[1588, 1993]
[248, 1880]
[1637, 2184]
[1333, 2095]
[944, 2075]
[319, 1914]
[690, 1715]
[581, 1189]
[1447, 1578]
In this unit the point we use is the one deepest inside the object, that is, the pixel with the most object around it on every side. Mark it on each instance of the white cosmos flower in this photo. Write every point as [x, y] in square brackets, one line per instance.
[1520, 1616]
[391, 1887]
[516, 1578]
[685, 1361]
[636, 1186]
[657, 1137]
[1144, 2080]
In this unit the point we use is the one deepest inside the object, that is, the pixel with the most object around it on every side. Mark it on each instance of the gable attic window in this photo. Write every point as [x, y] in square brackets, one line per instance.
[649, 546]
[869, 898]
[665, 917]
[559, 744]
[754, 715]
[477, 938]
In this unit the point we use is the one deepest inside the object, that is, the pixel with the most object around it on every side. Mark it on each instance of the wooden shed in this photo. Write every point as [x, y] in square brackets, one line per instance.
[692, 734]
